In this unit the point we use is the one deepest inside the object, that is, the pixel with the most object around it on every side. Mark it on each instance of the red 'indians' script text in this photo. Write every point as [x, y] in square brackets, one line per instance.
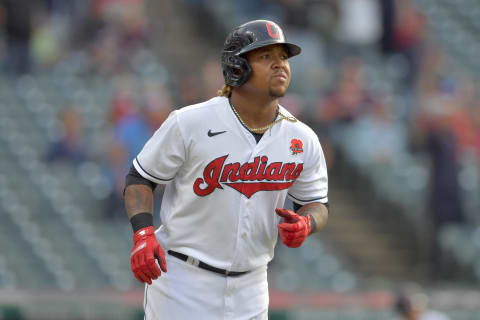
[247, 178]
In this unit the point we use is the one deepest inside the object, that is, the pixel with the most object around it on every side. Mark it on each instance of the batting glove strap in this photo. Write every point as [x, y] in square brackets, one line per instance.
[143, 233]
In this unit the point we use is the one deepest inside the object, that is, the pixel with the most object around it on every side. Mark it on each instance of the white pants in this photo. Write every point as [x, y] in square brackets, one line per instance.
[187, 292]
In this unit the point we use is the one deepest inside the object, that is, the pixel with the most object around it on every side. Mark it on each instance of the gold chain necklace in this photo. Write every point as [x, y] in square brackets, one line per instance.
[268, 126]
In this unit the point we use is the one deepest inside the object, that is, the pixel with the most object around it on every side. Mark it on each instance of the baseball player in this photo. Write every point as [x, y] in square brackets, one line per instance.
[228, 164]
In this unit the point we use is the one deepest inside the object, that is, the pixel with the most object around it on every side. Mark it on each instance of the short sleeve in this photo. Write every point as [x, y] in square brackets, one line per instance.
[163, 154]
[312, 184]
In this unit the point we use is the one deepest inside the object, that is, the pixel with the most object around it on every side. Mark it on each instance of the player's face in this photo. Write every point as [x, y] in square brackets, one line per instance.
[270, 70]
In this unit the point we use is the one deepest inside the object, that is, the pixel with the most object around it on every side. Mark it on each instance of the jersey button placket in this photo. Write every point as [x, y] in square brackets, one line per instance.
[228, 299]
[246, 218]
[251, 139]
[238, 247]
[244, 228]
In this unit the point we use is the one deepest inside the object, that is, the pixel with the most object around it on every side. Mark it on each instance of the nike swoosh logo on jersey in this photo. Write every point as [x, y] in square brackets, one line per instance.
[211, 134]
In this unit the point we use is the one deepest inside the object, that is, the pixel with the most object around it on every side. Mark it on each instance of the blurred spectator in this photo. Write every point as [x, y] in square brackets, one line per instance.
[409, 35]
[440, 83]
[157, 104]
[322, 16]
[379, 126]
[294, 12]
[346, 102]
[17, 18]
[387, 9]
[131, 127]
[414, 307]
[105, 53]
[336, 114]
[465, 114]
[129, 132]
[114, 32]
[129, 124]
[114, 169]
[436, 73]
[433, 133]
[359, 25]
[47, 44]
[71, 146]
[410, 26]
[71, 8]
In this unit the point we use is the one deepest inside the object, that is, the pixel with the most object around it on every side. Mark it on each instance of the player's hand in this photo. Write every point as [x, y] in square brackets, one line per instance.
[142, 258]
[294, 229]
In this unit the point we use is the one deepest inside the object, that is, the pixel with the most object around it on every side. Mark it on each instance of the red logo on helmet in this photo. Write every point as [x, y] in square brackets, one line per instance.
[273, 31]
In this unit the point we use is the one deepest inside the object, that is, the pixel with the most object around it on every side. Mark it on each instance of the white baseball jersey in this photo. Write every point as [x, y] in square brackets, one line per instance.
[223, 187]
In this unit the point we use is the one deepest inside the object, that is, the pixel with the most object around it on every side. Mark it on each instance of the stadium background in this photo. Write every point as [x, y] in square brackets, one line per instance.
[391, 87]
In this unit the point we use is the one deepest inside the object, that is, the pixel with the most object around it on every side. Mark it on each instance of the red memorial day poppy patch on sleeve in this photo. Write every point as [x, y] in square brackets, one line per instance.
[296, 146]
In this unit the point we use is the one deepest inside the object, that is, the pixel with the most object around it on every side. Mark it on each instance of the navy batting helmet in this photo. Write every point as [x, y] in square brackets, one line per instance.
[247, 37]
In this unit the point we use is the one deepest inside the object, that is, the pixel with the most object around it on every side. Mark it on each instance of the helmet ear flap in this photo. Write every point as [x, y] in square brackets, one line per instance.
[236, 70]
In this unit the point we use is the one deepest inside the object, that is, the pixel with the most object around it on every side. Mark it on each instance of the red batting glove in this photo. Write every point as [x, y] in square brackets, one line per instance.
[294, 229]
[142, 259]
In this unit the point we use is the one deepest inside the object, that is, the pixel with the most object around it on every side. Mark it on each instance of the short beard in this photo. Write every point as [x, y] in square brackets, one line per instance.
[276, 94]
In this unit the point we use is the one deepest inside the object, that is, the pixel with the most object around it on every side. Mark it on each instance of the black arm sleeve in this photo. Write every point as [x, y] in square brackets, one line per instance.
[133, 177]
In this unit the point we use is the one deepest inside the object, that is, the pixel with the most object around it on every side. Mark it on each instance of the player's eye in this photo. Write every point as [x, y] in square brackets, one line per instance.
[265, 56]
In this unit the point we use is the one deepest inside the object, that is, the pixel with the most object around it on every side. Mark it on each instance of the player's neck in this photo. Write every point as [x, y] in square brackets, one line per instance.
[255, 112]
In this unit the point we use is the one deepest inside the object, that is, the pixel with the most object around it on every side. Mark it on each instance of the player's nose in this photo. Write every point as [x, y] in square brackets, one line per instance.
[278, 61]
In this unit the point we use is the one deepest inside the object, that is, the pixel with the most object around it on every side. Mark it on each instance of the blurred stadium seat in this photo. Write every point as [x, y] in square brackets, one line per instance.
[54, 234]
